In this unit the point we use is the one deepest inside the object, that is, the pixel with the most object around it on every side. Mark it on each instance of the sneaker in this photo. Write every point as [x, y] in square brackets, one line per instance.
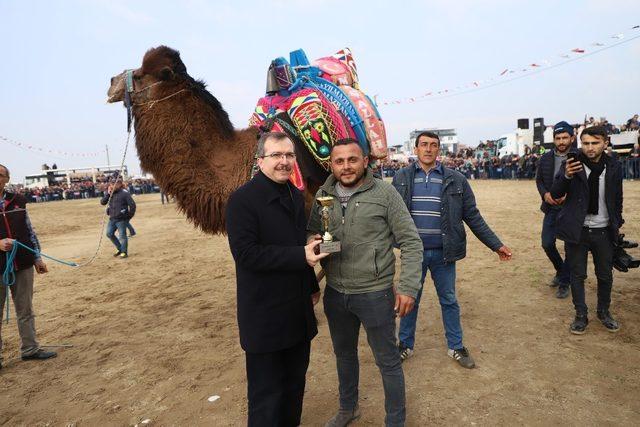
[117, 253]
[344, 417]
[563, 291]
[405, 352]
[123, 255]
[40, 355]
[462, 356]
[579, 325]
[608, 321]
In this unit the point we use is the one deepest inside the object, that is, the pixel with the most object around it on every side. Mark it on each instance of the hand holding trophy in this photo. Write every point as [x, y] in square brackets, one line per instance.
[328, 245]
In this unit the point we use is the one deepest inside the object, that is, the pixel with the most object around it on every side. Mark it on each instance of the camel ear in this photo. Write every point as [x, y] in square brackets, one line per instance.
[166, 73]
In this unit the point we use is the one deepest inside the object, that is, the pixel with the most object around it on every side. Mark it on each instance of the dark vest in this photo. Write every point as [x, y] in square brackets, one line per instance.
[13, 225]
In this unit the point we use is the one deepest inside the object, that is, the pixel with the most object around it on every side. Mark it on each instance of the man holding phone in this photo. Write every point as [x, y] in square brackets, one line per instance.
[589, 221]
[563, 139]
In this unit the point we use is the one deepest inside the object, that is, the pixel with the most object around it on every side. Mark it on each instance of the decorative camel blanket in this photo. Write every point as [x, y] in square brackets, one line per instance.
[317, 104]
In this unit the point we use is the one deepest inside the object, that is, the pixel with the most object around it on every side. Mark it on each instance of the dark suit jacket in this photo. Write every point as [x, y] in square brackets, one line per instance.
[274, 281]
[574, 210]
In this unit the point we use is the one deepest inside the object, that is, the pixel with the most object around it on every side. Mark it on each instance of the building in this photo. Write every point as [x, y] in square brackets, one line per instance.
[448, 139]
[59, 176]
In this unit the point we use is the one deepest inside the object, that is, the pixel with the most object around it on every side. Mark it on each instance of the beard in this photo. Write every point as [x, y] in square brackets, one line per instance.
[354, 177]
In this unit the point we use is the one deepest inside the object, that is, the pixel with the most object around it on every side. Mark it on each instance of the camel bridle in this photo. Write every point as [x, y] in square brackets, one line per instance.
[130, 91]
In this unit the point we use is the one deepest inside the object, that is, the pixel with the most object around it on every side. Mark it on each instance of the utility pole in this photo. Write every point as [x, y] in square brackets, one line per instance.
[106, 147]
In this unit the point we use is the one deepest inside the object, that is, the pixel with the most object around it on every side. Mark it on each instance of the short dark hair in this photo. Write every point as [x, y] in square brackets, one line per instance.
[346, 141]
[6, 169]
[428, 134]
[595, 131]
[278, 136]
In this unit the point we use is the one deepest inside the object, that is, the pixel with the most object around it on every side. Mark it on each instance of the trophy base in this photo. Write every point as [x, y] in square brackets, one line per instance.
[329, 247]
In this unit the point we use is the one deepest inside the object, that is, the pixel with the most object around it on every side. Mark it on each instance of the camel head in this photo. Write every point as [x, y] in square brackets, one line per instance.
[161, 70]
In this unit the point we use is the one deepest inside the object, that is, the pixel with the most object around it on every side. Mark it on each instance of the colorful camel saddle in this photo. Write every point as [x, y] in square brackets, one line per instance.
[316, 104]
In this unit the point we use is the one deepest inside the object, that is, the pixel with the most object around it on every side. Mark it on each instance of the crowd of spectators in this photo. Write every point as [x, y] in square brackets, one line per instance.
[83, 189]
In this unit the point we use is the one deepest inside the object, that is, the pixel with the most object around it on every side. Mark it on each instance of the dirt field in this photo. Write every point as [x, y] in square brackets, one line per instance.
[154, 336]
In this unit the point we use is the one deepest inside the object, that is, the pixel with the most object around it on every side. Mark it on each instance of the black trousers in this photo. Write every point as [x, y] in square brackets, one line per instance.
[597, 241]
[276, 386]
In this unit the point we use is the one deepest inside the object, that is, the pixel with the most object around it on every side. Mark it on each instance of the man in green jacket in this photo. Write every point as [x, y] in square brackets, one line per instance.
[368, 217]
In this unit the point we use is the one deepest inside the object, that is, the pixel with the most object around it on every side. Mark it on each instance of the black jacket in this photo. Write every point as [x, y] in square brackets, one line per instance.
[121, 206]
[574, 210]
[13, 225]
[458, 204]
[544, 178]
[274, 281]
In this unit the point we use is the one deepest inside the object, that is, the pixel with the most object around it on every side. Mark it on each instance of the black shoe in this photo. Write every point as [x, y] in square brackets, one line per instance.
[463, 357]
[405, 352]
[555, 282]
[579, 325]
[608, 321]
[562, 292]
[40, 355]
[117, 253]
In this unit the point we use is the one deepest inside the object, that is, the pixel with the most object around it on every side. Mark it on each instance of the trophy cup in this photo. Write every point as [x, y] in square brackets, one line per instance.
[328, 245]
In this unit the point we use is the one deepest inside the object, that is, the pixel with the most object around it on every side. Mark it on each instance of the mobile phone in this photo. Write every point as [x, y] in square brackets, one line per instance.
[573, 156]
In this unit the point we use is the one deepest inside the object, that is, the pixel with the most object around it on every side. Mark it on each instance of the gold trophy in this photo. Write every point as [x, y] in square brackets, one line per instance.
[328, 245]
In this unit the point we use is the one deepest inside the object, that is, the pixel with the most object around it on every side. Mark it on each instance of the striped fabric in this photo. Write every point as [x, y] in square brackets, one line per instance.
[425, 205]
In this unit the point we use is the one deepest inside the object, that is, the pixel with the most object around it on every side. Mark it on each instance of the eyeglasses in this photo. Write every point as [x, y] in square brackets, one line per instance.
[279, 156]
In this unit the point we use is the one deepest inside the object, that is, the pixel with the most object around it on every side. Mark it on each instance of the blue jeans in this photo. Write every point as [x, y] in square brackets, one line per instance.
[444, 279]
[374, 310]
[121, 242]
[132, 231]
[549, 246]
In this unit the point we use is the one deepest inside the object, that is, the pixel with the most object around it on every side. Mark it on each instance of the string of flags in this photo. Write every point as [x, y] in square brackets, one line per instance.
[55, 152]
[511, 73]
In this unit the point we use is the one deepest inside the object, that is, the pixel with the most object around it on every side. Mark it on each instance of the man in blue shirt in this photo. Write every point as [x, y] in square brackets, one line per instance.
[439, 200]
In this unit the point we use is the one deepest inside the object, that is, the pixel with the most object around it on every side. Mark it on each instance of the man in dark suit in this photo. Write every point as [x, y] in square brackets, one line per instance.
[548, 167]
[276, 284]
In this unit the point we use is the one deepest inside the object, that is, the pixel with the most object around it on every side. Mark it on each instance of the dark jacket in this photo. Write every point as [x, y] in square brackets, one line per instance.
[574, 210]
[274, 281]
[458, 204]
[13, 225]
[121, 207]
[544, 178]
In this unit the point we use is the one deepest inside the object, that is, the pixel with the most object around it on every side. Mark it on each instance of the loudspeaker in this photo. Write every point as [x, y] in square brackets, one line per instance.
[538, 130]
[523, 123]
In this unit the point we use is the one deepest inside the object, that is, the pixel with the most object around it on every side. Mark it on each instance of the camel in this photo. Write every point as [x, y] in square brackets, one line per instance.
[185, 139]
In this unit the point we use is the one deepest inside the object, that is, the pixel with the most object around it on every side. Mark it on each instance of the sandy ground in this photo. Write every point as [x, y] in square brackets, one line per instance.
[154, 336]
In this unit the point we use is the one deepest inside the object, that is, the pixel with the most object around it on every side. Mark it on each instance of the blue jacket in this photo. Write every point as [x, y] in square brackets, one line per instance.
[458, 204]
[574, 210]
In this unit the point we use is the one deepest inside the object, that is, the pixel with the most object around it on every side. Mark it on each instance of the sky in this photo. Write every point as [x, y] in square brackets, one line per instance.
[58, 57]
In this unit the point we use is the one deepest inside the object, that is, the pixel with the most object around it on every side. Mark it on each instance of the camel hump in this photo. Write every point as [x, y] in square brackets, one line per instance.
[319, 103]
